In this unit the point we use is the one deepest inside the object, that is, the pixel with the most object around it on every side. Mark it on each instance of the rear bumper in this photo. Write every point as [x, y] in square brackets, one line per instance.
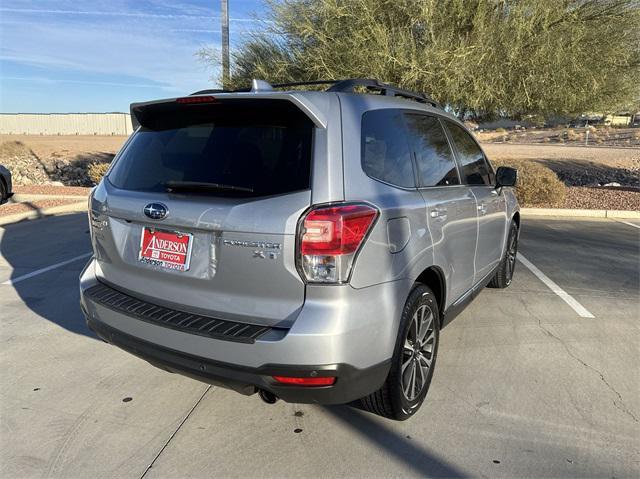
[351, 383]
[340, 331]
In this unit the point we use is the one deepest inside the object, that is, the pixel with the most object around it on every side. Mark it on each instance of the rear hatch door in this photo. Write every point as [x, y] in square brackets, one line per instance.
[199, 211]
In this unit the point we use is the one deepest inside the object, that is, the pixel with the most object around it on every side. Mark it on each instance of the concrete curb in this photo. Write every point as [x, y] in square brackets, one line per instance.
[44, 212]
[619, 214]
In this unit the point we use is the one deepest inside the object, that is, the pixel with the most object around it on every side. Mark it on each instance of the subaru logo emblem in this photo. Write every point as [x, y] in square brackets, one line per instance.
[156, 211]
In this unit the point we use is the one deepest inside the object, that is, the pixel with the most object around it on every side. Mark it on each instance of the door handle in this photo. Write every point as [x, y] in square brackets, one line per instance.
[482, 208]
[439, 213]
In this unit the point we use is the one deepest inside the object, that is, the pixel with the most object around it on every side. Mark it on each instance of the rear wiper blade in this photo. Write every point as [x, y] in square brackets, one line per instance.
[200, 185]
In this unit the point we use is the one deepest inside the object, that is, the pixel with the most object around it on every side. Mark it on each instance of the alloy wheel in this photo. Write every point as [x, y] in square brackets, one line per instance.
[418, 351]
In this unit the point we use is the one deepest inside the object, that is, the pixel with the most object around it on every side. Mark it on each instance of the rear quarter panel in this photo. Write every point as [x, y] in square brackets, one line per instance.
[399, 246]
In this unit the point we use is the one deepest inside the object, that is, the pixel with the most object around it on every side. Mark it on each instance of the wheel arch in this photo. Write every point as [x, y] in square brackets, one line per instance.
[433, 277]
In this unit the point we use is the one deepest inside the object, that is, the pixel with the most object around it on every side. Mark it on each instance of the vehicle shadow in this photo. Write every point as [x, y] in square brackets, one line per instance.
[374, 430]
[52, 295]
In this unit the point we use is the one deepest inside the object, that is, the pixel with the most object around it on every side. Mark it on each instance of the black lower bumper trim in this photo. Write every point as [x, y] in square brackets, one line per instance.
[351, 383]
[170, 318]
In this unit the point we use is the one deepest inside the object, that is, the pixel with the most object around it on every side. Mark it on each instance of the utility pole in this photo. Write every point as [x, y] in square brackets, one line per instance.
[224, 4]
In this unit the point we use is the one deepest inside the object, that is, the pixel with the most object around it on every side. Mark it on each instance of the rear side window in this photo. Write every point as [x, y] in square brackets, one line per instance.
[474, 166]
[385, 148]
[264, 146]
[434, 158]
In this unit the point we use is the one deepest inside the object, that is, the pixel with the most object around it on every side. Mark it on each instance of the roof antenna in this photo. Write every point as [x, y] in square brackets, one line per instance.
[260, 85]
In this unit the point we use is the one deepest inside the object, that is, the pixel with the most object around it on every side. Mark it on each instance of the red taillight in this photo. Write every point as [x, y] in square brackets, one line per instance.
[336, 230]
[323, 381]
[330, 237]
[196, 99]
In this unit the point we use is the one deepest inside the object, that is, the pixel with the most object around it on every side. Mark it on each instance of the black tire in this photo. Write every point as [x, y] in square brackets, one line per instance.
[392, 400]
[504, 275]
[3, 192]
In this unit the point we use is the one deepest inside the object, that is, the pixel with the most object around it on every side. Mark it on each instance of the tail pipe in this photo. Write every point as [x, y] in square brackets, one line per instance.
[267, 396]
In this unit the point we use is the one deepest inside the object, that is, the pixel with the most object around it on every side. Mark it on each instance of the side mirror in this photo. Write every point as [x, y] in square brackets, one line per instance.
[506, 176]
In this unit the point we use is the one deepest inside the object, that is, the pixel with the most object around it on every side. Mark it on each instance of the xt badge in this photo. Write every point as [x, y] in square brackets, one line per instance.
[263, 255]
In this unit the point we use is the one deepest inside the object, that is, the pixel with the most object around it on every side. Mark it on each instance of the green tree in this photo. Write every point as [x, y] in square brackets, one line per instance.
[485, 57]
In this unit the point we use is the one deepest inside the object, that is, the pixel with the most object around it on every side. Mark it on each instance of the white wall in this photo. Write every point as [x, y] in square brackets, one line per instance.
[65, 124]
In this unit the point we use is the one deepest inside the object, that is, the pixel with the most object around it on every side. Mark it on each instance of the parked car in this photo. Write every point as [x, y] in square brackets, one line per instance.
[305, 245]
[6, 187]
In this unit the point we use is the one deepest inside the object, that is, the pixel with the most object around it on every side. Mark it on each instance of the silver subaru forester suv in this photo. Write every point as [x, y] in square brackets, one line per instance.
[305, 245]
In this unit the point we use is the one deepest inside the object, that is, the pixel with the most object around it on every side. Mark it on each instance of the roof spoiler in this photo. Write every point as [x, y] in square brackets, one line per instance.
[135, 123]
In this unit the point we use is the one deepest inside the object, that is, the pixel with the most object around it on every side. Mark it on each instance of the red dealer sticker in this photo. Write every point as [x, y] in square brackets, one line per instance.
[170, 250]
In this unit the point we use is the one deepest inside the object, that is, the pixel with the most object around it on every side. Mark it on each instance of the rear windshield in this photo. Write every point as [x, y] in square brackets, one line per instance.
[263, 146]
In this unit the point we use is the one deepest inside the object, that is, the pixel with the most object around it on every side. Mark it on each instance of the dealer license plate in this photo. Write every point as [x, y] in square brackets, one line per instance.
[168, 249]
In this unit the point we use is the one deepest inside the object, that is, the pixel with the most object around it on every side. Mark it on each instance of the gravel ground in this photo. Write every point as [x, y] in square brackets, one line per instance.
[68, 147]
[14, 208]
[52, 190]
[602, 136]
[38, 160]
[582, 170]
[601, 199]
[610, 157]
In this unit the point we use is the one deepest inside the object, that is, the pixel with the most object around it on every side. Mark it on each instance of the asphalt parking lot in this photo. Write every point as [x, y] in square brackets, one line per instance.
[539, 380]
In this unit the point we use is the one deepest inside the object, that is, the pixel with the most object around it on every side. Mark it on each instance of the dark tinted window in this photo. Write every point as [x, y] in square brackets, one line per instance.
[261, 146]
[436, 166]
[385, 148]
[474, 166]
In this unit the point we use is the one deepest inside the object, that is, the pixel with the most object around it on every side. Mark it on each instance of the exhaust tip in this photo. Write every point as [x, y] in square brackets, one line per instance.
[267, 396]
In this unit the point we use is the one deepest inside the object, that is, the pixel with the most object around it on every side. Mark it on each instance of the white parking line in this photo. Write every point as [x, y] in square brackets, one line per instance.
[627, 223]
[566, 297]
[44, 270]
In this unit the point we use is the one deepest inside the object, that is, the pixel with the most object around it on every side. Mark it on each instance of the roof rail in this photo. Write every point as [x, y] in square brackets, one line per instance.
[347, 86]
[389, 90]
[305, 83]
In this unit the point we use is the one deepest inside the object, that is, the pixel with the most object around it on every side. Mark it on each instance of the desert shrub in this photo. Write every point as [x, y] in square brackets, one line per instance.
[501, 130]
[96, 171]
[537, 184]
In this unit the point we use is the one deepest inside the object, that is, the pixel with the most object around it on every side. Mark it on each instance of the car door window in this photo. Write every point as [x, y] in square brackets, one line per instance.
[475, 169]
[434, 158]
[385, 148]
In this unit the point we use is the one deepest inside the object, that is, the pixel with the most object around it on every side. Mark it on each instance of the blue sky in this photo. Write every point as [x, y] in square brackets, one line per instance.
[101, 55]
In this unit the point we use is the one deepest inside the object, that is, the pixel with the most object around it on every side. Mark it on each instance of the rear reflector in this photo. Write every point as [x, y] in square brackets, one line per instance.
[196, 99]
[325, 381]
